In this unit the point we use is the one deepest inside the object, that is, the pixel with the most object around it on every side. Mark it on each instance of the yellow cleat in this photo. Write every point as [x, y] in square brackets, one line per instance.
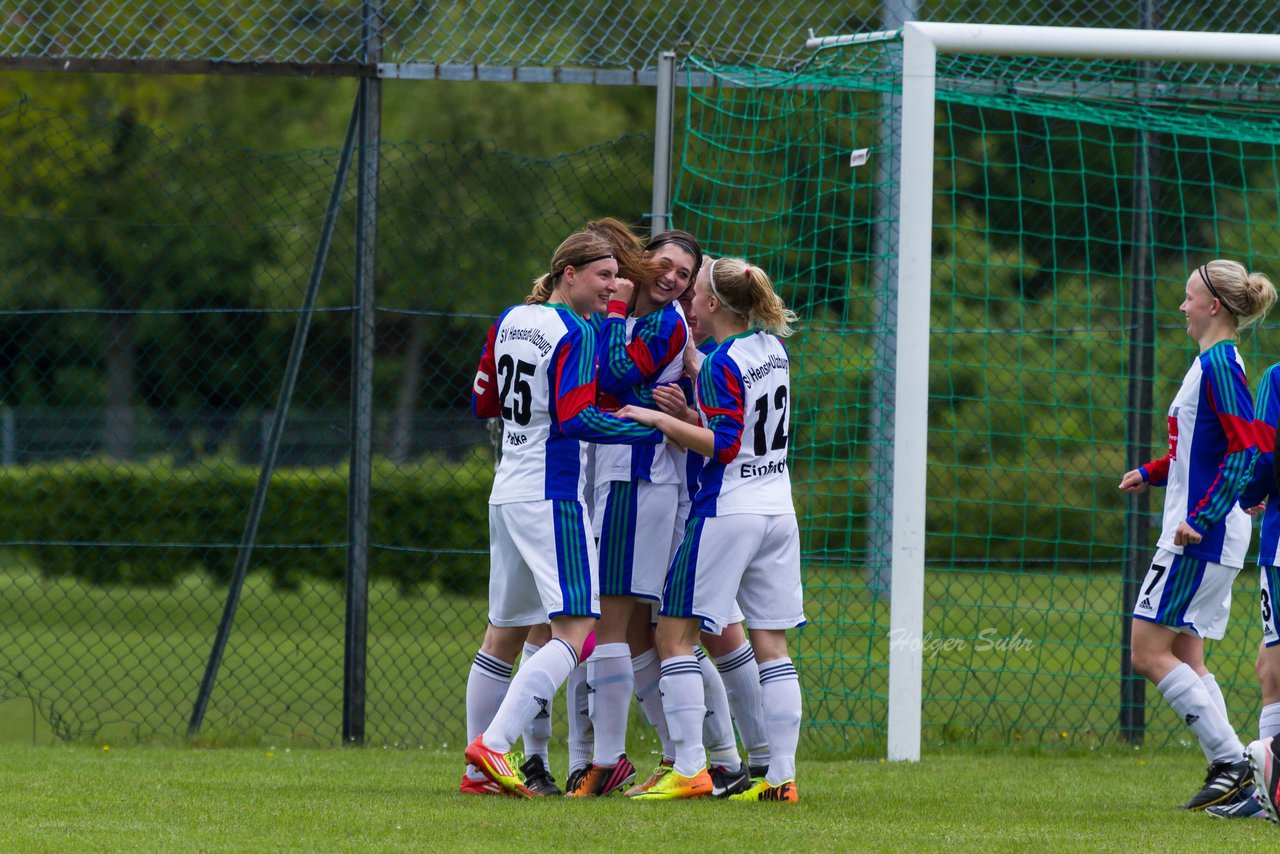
[675, 786]
[762, 791]
[663, 769]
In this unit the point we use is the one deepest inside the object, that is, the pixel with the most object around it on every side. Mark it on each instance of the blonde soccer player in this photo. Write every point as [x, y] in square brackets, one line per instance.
[537, 371]
[1185, 596]
[742, 542]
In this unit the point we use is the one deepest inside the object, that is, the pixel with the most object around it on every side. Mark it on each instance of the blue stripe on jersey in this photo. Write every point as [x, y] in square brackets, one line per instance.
[1268, 605]
[572, 560]
[618, 539]
[1185, 575]
[677, 593]
[1262, 485]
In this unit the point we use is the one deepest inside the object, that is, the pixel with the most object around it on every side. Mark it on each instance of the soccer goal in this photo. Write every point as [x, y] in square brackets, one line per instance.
[986, 230]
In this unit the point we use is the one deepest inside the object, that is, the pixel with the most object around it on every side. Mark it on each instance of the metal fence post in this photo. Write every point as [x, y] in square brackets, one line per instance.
[663, 124]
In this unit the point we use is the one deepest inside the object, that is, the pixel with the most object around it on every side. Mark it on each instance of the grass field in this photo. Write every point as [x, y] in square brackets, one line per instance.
[155, 798]
[1025, 658]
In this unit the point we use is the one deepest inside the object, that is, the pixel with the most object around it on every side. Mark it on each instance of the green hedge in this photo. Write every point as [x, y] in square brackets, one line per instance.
[150, 523]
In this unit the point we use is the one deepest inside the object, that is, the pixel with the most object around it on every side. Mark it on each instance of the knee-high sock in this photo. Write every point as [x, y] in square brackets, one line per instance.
[741, 678]
[1186, 694]
[487, 685]
[780, 699]
[682, 700]
[647, 673]
[537, 734]
[717, 723]
[1219, 702]
[535, 683]
[575, 700]
[610, 681]
[1269, 721]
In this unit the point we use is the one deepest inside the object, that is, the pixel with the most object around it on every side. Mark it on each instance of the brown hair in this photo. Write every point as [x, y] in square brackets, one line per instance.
[747, 291]
[576, 250]
[1246, 296]
[628, 249]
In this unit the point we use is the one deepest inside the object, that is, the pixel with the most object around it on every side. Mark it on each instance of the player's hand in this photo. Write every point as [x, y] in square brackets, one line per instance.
[670, 399]
[1186, 535]
[640, 415]
[1133, 482]
[692, 361]
[1257, 508]
[625, 291]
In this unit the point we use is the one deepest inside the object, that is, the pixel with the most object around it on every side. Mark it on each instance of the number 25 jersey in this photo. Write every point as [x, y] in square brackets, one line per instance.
[537, 372]
[743, 392]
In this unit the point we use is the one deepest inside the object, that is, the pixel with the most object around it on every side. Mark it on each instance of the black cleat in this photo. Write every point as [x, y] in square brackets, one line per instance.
[575, 777]
[727, 781]
[757, 772]
[1222, 784]
[538, 778]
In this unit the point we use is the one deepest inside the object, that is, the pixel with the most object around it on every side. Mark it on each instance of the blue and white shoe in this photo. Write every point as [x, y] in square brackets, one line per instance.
[1249, 806]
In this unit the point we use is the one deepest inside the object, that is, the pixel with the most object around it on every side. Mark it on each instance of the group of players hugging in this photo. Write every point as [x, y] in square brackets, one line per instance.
[640, 517]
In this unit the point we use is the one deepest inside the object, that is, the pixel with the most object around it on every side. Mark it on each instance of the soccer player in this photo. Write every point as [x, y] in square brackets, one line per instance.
[742, 541]
[642, 341]
[1186, 594]
[537, 371]
[1263, 492]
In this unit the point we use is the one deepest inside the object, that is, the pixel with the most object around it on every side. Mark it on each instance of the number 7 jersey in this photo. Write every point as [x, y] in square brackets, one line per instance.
[743, 392]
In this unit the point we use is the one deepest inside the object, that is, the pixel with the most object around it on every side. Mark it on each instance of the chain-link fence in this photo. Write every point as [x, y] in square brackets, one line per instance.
[618, 34]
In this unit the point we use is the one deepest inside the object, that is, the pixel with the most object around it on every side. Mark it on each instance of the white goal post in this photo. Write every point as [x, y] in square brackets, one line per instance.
[922, 42]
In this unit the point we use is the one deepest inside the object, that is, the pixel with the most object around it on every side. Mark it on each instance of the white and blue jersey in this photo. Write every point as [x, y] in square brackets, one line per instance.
[635, 356]
[743, 393]
[1212, 448]
[1265, 486]
[537, 371]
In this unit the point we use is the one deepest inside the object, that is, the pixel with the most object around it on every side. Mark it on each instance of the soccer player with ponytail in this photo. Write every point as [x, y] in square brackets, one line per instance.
[742, 541]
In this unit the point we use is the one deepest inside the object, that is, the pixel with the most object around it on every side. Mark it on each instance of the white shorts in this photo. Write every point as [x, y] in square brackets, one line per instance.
[540, 565]
[635, 522]
[682, 521]
[1188, 595]
[755, 559]
[1270, 619]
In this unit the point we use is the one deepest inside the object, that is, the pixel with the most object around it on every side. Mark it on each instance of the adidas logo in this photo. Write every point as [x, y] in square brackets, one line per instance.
[542, 709]
[1145, 605]
[1190, 719]
[708, 714]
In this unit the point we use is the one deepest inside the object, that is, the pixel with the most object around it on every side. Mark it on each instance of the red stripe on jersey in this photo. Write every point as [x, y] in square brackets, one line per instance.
[638, 352]
[726, 454]
[568, 404]
[1265, 434]
[1240, 433]
[484, 391]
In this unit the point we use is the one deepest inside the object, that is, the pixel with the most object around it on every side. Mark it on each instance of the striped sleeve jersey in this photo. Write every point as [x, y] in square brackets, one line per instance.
[1212, 448]
[693, 463]
[537, 372]
[743, 393]
[1263, 485]
[637, 355]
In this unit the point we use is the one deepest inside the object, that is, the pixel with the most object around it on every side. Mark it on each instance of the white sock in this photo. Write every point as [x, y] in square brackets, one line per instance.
[1186, 694]
[682, 700]
[575, 698]
[535, 683]
[647, 672]
[1219, 702]
[717, 723]
[537, 735]
[610, 680]
[487, 685]
[741, 679]
[780, 699]
[1269, 721]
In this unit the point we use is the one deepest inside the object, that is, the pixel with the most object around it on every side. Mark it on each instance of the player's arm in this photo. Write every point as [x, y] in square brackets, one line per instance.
[573, 397]
[484, 390]
[720, 399]
[1229, 398]
[657, 340]
[1266, 409]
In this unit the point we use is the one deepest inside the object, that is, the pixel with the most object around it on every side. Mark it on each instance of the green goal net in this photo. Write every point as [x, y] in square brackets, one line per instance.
[1071, 198]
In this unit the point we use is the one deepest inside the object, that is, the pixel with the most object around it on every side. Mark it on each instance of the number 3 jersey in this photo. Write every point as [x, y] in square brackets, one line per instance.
[743, 393]
[537, 372]
[1212, 448]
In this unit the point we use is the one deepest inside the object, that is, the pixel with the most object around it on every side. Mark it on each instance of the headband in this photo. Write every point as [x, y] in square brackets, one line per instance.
[711, 277]
[668, 238]
[1204, 274]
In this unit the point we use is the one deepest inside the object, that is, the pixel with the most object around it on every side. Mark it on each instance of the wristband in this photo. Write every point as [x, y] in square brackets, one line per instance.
[617, 306]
